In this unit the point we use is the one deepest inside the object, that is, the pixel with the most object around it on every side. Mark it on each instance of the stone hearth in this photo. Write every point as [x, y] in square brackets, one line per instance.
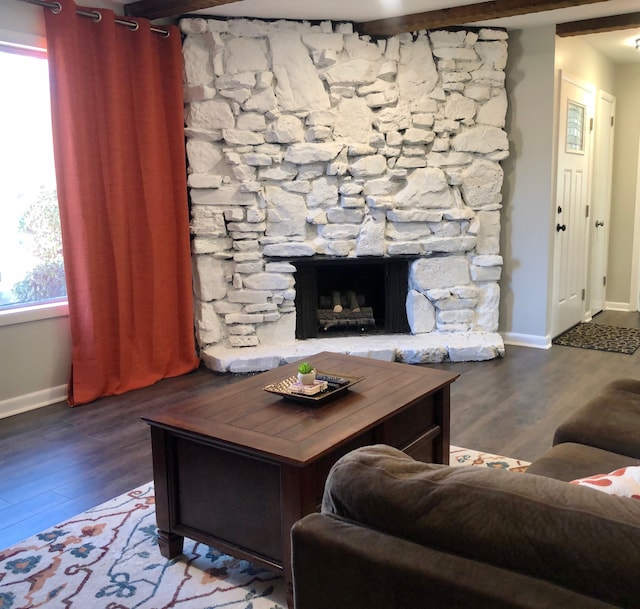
[309, 141]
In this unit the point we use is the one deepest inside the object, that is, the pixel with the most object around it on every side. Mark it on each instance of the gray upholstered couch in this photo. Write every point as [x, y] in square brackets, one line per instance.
[395, 533]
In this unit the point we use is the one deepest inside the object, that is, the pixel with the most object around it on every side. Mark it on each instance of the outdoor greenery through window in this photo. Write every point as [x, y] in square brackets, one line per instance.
[31, 263]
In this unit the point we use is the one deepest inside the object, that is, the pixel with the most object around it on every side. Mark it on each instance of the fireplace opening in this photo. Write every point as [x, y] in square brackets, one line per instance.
[349, 296]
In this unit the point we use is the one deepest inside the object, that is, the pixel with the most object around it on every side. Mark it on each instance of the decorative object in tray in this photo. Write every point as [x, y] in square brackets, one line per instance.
[307, 377]
[326, 386]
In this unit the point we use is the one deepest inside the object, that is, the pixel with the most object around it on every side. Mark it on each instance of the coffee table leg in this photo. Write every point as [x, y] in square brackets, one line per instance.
[170, 544]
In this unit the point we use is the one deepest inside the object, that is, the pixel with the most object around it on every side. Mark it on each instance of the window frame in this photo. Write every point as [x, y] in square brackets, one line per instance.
[36, 312]
[30, 312]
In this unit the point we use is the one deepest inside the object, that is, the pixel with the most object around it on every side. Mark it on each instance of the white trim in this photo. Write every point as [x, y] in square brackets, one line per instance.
[634, 295]
[23, 39]
[526, 340]
[617, 306]
[31, 401]
[21, 315]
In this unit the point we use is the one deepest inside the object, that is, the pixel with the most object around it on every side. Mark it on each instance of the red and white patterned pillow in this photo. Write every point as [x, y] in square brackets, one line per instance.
[624, 482]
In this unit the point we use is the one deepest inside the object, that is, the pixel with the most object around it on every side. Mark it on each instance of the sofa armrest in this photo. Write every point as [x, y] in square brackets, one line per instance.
[609, 421]
[576, 537]
[339, 564]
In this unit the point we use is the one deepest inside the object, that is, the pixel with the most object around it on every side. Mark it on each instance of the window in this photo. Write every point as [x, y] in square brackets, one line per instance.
[31, 263]
[575, 127]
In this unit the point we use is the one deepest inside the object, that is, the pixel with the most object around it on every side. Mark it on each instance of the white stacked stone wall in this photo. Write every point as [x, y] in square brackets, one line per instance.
[307, 140]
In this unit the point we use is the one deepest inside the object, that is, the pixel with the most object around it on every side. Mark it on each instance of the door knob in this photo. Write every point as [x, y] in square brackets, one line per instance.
[561, 227]
[599, 223]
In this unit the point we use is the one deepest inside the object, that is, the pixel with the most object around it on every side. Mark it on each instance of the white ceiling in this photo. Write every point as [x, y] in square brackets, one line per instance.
[619, 46]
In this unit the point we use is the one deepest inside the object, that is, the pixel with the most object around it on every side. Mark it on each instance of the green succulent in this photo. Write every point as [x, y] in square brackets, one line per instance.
[305, 368]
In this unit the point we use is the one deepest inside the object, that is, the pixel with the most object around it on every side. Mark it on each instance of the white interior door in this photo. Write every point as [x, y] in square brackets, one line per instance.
[572, 202]
[601, 200]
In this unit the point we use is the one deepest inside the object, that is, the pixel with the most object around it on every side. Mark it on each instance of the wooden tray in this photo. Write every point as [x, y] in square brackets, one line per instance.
[283, 388]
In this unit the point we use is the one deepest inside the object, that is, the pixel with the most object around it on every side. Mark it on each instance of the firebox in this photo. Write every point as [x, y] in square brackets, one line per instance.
[348, 296]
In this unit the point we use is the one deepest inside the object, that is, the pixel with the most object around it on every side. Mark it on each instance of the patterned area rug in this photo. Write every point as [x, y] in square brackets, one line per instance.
[467, 456]
[601, 338]
[107, 558]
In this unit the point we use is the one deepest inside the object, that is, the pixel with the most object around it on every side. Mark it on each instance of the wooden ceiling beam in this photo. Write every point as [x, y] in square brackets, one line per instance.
[460, 15]
[597, 26]
[457, 15]
[159, 9]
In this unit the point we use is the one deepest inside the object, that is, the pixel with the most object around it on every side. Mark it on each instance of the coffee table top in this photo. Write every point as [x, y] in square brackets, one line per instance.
[243, 414]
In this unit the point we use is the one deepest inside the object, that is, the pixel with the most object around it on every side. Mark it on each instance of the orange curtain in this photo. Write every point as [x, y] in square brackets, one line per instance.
[120, 163]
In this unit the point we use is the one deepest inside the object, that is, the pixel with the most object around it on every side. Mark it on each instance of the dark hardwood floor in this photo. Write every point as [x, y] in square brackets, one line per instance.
[58, 461]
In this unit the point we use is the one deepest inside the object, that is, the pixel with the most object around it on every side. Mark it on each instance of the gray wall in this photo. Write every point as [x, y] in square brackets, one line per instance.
[580, 59]
[526, 221]
[34, 363]
[625, 175]
[21, 23]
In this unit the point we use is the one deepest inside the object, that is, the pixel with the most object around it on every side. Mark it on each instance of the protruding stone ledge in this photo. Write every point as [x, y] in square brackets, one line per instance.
[431, 348]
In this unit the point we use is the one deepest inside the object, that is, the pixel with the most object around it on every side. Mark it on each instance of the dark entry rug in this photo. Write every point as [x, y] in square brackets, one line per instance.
[600, 338]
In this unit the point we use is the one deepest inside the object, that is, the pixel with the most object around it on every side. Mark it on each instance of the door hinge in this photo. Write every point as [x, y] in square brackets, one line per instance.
[584, 293]
[604, 280]
[587, 212]
[590, 124]
[613, 120]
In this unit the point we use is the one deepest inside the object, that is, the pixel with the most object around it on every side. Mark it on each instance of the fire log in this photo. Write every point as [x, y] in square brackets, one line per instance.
[353, 301]
[337, 302]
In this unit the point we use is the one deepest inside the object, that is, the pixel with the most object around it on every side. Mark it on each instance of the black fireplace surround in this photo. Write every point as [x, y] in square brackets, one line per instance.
[380, 285]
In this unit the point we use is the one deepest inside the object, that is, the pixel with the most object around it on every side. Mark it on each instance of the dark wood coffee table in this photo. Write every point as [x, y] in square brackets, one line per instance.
[236, 467]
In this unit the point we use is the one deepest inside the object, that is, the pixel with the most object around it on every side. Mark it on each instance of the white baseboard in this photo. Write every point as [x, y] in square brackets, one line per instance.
[617, 306]
[31, 401]
[526, 340]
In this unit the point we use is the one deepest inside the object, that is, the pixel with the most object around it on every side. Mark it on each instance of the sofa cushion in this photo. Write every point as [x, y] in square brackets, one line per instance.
[569, 461]
[623, 482]
[610, 421]
[563, 533]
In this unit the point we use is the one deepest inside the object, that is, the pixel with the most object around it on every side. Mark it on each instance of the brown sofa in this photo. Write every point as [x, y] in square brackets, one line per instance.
[395, 533]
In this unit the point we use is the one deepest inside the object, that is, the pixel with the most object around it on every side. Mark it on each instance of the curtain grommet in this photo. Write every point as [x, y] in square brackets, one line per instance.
[56, 9]
[96, 16]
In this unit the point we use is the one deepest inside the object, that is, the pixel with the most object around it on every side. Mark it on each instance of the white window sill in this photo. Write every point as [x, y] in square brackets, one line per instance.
[35, 313]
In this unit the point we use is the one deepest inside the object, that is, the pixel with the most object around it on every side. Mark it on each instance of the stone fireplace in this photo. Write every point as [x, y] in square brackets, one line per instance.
[345, 192]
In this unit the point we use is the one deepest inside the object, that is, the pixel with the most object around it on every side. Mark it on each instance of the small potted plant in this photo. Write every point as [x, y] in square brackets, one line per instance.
[306, 373]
